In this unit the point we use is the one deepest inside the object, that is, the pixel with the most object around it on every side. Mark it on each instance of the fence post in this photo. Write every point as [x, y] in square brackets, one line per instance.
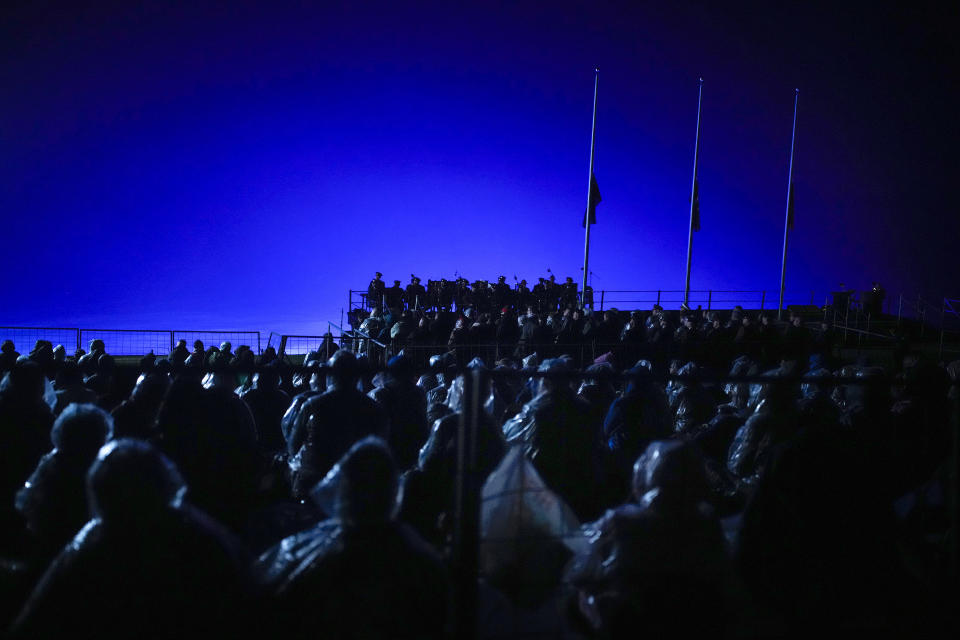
[283, 346]
[763, 298]
[658, 297]
[78, 339]
[602, 291]
[709, 299]
[952, 499]
[943, 311]
[922, 314]
[899, 309]
[846, 323]
[466, 539]
[171, 342]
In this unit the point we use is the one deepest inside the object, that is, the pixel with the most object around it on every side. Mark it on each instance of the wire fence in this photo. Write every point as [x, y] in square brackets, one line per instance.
[132, 342]
[125, 342]
[216, 338]
[24, 338]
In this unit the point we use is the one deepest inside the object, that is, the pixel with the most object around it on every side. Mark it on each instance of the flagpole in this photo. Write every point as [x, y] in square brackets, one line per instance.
[786, 221]
[593, 134]
[693, 201]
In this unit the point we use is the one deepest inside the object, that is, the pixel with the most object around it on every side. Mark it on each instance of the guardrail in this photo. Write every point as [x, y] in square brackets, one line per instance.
[669, 299]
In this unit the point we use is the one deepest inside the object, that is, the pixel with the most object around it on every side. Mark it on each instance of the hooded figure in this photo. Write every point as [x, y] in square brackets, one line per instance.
[557, 435]
[429, 487]
[325, 578]
[69, 388]
[8, 356]
[88, 362]
[637, 418]
[211, 436]
[774, 421]
[25, 421]
[406, 407]
[53, 501]
[268, 402]
[690, 402]
[661, 557]
[179, 353]
[147, 565]
[136, 417]
[329, 423]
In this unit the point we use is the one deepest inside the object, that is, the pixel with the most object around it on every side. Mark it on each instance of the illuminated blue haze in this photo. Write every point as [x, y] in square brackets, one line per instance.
[244, 167]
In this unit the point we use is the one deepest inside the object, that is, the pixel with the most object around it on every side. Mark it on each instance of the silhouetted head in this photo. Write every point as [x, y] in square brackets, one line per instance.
[7, 347]
[343, 369]
[42, 352]
[150, 389]
[97, 345]
[81, 430]
[670, 473]
[68, 375]
[147, 362]
[131, 482]
[556, 385]
[268, 377]
[401, 367]
[24, 381]
[369, 483]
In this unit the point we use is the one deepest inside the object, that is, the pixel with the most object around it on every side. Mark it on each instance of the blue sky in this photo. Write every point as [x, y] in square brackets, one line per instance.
[242, 165]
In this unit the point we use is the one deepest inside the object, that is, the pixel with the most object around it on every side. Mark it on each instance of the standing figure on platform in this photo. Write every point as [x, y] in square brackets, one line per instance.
[482, 296]
[568, 297]
[394, 296]
[462, 294]
[375, 292]
[551, 294]
[539, 296]
[445, 293]
[416, 295]
[501, 293]
[522, 297]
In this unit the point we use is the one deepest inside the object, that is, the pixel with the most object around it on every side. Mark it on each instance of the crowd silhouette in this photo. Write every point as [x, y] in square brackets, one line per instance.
[630, 473]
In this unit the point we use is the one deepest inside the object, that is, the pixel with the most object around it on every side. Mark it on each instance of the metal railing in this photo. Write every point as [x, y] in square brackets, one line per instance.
[949, 328]
[669, 299]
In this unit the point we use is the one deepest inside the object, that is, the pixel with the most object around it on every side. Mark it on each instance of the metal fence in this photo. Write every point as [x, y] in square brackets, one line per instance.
[132, 342]
[125, 342]
[24, 338]
[672, 299]
[216, 338]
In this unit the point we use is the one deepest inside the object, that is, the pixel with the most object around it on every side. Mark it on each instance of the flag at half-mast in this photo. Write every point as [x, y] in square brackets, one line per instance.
[591, 211]
[790, 207]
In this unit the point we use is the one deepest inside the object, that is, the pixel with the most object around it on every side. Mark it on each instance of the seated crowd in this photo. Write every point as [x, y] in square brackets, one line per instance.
[732, 478]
